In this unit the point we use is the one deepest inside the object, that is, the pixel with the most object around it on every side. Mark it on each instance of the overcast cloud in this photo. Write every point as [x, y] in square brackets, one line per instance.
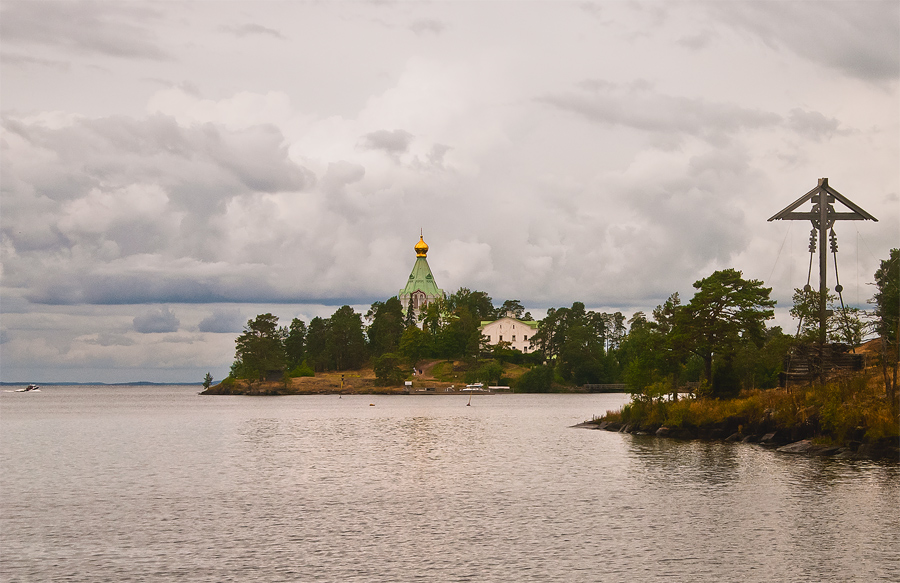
[169, 170]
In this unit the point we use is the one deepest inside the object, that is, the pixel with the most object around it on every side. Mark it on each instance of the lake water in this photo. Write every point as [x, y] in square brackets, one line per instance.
[160, 484]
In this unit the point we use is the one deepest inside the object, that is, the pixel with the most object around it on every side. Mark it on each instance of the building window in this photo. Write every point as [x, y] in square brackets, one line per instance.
[514, 337]
[525, 337]
[501, 338]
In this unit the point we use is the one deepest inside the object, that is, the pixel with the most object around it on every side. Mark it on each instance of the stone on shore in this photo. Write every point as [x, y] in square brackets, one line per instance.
[802, 446]
[771, 439]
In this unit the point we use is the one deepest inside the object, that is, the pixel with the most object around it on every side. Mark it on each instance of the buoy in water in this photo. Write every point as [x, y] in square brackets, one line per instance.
[371, 404]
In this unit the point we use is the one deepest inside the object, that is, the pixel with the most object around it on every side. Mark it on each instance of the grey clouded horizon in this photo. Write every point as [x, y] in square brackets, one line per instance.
[171, 169]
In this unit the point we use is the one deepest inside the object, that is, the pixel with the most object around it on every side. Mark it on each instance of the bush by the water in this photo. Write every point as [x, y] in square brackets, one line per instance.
[537, 380]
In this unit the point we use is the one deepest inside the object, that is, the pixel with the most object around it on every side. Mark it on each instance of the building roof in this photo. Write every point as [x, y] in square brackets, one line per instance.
[421, 278]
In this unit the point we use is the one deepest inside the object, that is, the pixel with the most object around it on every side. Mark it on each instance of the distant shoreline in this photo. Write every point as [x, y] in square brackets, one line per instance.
[59, 384]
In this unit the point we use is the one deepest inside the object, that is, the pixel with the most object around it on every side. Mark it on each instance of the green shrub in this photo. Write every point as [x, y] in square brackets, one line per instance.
[488, 373]
[302, 370]
[387, 370]
[537, 380]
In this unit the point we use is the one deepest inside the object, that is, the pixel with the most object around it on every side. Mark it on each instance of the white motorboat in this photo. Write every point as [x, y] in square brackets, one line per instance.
[31, 387]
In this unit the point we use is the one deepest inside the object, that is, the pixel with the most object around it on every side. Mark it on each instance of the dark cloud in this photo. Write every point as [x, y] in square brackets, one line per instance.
[156, 320]
[393, 142]
[69, 286]
[129, 288]
[112, 339]
[116, 29]
[641, 107]
[428, 25]
[223, 321]
[812, 124]
[698, 41]
[861, 39]
[252, 29]
[437, 153]
[24, 60]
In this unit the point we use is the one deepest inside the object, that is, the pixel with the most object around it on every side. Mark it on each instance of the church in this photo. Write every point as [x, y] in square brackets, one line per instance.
[421, 288]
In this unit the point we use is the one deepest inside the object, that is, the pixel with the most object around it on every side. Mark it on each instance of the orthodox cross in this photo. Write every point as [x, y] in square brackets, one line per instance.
[822, 216]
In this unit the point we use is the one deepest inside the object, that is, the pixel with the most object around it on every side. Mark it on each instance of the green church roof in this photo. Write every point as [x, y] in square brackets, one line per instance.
[421, 279]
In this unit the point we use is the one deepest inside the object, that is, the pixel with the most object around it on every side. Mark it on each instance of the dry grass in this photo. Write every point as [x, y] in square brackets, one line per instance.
[846, 408]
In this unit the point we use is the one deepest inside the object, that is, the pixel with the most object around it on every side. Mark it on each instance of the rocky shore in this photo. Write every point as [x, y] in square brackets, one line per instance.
[783, 440]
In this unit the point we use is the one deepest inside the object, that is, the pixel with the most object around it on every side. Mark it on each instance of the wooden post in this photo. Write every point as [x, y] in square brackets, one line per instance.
[823, 261]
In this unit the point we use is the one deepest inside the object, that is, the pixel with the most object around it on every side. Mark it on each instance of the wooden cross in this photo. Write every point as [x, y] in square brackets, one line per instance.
[822, 217]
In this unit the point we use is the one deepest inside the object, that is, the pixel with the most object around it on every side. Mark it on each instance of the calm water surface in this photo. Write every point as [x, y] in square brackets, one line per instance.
[160, 484]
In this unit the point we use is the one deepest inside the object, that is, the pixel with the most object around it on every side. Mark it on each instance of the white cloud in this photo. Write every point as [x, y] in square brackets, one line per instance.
[243, 110]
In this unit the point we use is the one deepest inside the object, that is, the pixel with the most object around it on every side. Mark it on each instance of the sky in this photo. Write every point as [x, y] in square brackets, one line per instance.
[169, 170]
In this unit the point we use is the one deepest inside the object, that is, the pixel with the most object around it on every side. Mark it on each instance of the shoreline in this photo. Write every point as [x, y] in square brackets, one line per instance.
[781, 440]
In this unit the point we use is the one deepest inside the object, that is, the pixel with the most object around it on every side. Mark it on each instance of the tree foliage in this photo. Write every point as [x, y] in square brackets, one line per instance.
[264, 349]
[346, 343]
[576, 340]
[512, 308]
[725, 311]
[887, 313]
[537, 380]
[387, 323]
[843, 324]
[295, 344]
[387, 370]
[259, 349]
[415, 344]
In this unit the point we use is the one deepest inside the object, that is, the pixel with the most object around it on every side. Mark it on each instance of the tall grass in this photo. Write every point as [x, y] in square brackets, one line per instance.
[844, 409]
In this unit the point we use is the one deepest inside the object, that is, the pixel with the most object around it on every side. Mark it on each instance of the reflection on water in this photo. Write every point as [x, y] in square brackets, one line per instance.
[109, 484]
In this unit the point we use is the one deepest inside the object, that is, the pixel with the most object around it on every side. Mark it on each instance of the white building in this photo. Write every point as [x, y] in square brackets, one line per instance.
[517, 332]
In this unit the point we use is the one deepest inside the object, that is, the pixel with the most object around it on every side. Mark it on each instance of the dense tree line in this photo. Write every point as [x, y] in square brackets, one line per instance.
[393, 340]
[719, 338]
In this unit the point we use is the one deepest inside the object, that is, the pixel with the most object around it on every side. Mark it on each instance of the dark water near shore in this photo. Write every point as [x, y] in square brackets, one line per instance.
[160, 484]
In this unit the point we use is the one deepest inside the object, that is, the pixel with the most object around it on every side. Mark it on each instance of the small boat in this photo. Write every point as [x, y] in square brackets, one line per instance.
[475, 387]
[31, 387]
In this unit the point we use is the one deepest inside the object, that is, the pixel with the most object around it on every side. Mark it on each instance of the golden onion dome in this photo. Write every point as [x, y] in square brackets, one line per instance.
[421, 247]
